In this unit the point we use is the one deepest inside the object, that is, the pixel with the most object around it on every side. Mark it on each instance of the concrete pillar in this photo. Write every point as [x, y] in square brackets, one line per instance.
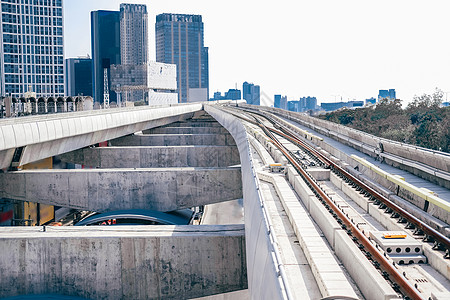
[8, 102]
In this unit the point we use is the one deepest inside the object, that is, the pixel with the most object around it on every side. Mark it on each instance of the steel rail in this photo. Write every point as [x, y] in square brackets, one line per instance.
[399, 281]
[431, 235]
[430, 232]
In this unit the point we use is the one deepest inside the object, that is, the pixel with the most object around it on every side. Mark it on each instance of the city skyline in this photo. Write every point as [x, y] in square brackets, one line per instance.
[331, 50]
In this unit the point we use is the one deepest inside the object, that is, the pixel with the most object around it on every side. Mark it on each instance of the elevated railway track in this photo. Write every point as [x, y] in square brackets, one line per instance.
[277, 132]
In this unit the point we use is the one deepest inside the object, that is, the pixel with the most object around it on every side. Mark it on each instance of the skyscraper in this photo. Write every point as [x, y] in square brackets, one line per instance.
[280, 101]
[179, 40]
[78, 76]
[133, 34]
[105, 43]
[118, 38]
[251, 93]
[32, 48]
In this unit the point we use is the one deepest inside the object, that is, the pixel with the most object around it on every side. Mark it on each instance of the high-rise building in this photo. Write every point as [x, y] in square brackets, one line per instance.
[280, 101]
[233, 94]
[119, 38]
[105, 43]
[251, 93]
[387, 94]
[133, 34]
[310, 103]
[78, 76]
[32, 48]
[179, 40]
[293, 106]
[277, 101]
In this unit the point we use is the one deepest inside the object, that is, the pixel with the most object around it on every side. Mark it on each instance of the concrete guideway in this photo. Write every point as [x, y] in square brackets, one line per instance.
[265, 272]
[162, 189]
[348, 252]
[45, 136]
[123, 262]
[154, 156]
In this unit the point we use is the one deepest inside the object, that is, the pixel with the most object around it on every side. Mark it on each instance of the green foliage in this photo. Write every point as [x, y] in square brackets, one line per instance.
[423, 123]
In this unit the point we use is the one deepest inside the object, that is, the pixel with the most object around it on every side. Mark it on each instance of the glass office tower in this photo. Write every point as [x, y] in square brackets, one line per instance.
[32, 56]
[105, 43]
[179, 40]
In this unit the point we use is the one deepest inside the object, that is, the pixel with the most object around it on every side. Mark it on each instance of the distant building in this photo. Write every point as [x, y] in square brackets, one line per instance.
[217, 96]
[179, 40]
[280, 101]
[308, 103]
[371, 101]
[387, 94]
[133, 34]
[105, 44]
[118, 37]
[251, 93]
[154, 81]
[233, 94]
[32, 48]
[277, 101]
[78, 76]
[293, 106]
[338, 105]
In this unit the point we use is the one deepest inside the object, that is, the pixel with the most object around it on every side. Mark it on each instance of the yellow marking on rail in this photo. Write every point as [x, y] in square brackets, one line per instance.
[394, 236]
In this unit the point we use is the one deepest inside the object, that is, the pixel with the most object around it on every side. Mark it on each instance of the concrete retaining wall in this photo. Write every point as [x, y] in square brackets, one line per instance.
[123, 262]
[114, 189]
[264, 279]
[154, 157]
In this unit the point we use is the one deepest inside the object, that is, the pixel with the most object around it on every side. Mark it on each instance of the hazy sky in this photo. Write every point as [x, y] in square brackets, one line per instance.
[328, 49]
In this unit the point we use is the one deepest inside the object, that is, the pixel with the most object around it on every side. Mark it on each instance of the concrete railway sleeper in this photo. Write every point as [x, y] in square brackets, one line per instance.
[389, 271]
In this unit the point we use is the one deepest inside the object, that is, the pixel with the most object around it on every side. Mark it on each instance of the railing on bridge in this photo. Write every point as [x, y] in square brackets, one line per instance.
[17, 107]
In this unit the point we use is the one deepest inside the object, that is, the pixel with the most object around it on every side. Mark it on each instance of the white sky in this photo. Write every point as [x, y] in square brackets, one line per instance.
[322, 48]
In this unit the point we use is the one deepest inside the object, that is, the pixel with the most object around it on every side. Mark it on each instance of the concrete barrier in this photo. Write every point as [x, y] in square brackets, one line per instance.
[264, 277]
[422, 162]
[123, 262]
